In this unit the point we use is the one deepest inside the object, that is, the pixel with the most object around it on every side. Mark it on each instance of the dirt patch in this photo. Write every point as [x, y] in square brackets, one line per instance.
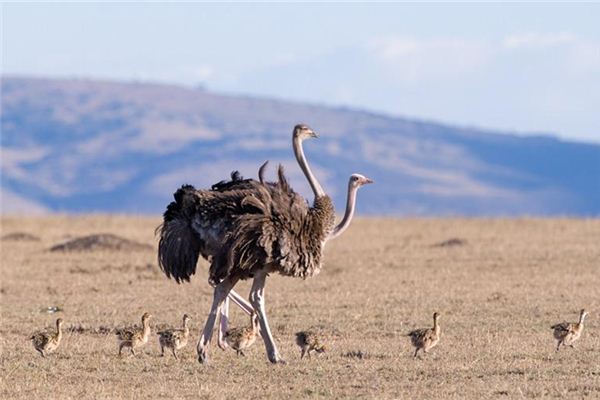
[103, 241]
[20, 237]
[453, 242]
[83, 329]
[362, 355]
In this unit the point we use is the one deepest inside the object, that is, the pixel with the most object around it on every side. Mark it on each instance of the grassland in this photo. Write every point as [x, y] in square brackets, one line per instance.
[498, 291]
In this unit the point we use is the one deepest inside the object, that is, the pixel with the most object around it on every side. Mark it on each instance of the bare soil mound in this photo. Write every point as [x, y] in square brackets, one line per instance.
[451, 243]
[103, 241]
[20, 237]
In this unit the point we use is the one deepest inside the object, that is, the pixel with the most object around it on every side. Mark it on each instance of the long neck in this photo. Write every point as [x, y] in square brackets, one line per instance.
[146, 326]
[436, 326]
[348, 215]
[299, 153]
[254, 321]
[58, 331]
[581, 318]
[186, 330]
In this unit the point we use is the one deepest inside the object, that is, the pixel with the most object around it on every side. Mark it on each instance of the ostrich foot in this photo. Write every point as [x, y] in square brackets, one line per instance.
[202, 355]
[222, 344]
[275, 358]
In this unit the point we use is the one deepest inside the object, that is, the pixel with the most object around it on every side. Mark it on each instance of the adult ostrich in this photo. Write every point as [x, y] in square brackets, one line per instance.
[354, 183]
[247, 230]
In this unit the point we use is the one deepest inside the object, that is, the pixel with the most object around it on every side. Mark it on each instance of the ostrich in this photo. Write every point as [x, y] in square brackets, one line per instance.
[426, 339]
[240, 339]
[247, 229]
[134, 337]
[174, 339]
[354, 183]
[309, 341]
[46, 342]
[568, 333]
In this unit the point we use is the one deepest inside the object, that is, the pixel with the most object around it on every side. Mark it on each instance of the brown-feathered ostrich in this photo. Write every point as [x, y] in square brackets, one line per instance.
[354, 183]
[248, 229]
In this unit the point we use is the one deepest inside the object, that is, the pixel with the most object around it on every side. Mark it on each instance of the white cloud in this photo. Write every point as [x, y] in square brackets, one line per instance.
[14, 204]
[533, 40]
[416, 59]
[203, 72]
[13, 160]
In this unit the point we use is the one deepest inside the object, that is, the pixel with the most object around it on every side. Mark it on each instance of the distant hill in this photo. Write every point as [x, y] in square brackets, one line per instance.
[83, 145]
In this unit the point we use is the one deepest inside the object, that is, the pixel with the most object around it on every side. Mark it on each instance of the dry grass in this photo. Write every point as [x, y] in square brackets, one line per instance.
[499, 288]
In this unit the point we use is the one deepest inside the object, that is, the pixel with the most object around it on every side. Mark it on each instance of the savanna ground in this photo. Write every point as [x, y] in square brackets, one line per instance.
[498, 291]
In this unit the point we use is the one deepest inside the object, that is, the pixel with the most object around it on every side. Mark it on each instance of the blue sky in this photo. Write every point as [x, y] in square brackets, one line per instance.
[531, 68]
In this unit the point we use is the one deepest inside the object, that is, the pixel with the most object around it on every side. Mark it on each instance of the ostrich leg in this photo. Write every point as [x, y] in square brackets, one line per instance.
[257, 299]
[221, 292]
[241, 302]
[223, 322]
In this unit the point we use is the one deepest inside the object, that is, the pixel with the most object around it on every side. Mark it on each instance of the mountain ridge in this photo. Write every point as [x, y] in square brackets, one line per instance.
[80, 145]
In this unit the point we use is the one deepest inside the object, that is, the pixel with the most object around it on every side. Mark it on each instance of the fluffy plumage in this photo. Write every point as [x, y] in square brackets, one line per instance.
[425, 339]
[240, 339]
[46, 342]
[309, 341]
[174, 339]
[243, 225]
[134, 337]
[567, 333]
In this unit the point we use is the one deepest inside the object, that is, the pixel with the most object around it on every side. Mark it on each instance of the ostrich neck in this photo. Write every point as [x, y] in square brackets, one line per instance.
[146, 326]
[348, 215]
[314, 184]
[58, 332]
[581, 318]
[436, 327]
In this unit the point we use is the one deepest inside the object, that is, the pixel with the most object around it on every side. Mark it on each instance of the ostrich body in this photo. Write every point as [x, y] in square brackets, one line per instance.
[568, 333]
[134, 337]
[425, 339]
[354, 183]
[248, 229]
[309, 341]
[47, 342]
[174, 339]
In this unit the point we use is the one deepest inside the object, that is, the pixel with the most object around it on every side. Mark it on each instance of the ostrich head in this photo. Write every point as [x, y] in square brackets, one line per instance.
[146, 317]
[59, 322]
[302, 132]
[436, 316]
[358, 180]
[186, 318]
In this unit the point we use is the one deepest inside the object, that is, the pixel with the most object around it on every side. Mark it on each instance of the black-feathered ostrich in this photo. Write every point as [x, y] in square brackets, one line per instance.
[248, 229]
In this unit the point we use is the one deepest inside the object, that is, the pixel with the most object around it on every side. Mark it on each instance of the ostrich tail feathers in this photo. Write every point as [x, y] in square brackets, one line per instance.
[179, 246]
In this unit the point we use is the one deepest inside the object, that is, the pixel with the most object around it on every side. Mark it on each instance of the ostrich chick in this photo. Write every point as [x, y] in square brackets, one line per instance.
[567, 333]
[239, 339]
[46, 342]
[174, 339]
[134, 337]
[309, 341]
[428, 338]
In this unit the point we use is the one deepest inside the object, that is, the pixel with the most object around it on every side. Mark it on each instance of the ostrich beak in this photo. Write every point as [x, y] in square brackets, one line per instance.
[314, 134]
[367, 181]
